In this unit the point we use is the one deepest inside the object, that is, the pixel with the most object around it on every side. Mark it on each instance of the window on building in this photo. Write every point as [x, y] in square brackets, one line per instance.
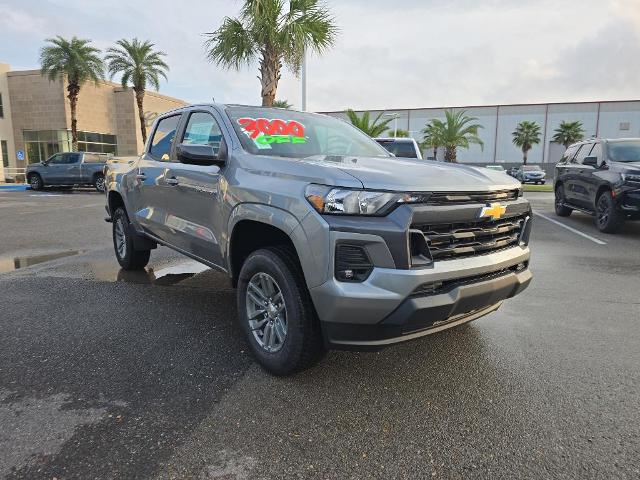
[97, 142]
[41, 144]
[163, 137]
[202, 129]
[5, 153]
[1, 107]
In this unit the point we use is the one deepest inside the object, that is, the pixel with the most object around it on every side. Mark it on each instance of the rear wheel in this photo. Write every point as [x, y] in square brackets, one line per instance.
[98, 182]
[128, 257]
[276, 313]
[608, 219]
[561, 209]
[35, 181]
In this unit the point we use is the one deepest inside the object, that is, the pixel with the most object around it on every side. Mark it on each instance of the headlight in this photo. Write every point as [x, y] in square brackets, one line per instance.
[346, 201]
[631, 177]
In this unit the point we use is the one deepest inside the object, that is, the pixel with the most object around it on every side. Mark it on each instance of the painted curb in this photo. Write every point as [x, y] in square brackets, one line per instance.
[18, 187]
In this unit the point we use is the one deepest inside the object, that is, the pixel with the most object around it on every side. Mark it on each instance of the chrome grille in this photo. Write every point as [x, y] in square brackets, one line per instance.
[453, 198]
[455, 240]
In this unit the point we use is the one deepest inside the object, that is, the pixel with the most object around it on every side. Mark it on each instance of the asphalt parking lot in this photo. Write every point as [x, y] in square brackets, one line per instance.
[112, 375]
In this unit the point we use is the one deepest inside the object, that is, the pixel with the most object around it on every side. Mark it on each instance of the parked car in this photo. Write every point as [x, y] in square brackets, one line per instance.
[496, 168]
[330, 241]
[531, 174]
[401, 147]
[513, 171]
[600, 177]
[68, 169]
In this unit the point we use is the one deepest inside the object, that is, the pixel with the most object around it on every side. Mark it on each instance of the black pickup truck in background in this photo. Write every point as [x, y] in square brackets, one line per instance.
[68, 169]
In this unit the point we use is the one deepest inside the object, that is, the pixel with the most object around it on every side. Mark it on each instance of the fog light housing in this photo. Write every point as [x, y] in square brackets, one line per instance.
[352, 264]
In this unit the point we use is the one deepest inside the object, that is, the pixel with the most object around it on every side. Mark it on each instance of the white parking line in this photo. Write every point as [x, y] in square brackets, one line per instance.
[571, 229]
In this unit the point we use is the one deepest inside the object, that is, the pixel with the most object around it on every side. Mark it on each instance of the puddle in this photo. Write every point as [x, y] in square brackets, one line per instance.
[163, 276]
[9, 264]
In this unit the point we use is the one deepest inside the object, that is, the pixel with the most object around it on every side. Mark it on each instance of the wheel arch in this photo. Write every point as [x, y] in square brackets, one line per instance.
[254, 226]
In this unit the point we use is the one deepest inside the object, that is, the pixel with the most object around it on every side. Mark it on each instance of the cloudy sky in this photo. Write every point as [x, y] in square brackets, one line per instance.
[389, 54]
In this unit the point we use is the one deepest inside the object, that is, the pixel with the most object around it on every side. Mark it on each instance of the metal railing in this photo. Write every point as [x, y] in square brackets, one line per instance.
[14, 174]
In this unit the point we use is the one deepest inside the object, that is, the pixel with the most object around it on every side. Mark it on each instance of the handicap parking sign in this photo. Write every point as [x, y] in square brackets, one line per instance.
[20, 155]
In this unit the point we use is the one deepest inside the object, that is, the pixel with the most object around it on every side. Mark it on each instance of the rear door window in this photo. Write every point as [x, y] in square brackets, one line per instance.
[569, 154]
[163, 136]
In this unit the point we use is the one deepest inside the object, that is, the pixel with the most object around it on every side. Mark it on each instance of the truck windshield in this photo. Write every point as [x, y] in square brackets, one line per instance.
[285, 133]
[624, 151]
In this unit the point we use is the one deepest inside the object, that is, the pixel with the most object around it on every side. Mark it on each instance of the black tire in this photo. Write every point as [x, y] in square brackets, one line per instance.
[561, 209]
[608, 218]
[36, 182]
[302, 346]
[127, 256]
[98, 183]
[542, 182]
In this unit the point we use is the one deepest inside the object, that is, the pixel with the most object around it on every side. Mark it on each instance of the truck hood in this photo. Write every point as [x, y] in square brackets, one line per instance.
[405, 175]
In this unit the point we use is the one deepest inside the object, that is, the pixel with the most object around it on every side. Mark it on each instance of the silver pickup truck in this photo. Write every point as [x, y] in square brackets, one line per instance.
[330, 241]
[68, 169]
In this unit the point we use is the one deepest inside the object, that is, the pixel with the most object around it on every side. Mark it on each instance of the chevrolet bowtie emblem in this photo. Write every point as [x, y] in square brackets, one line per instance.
[495, 211]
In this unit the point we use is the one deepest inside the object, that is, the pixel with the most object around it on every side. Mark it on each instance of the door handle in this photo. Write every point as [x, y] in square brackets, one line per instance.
[172, 181]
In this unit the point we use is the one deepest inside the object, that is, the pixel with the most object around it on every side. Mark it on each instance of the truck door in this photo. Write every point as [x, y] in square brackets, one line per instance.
[194, 194]
[71, 173]
[580, 178]
[150, 194]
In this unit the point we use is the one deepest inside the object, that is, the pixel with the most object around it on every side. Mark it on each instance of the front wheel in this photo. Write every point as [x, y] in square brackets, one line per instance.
[275, 312]
[35, 181]
[128, 257]
[608, 218]
[561, 209]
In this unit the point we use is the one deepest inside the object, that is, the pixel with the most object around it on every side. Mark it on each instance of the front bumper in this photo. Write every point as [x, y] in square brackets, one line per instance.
[392, 305]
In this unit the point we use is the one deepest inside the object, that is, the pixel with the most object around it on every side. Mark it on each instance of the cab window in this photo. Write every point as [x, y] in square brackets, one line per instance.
[160, 148]
[203, 129]
[597, 152]
[569, 154]
[583, 152]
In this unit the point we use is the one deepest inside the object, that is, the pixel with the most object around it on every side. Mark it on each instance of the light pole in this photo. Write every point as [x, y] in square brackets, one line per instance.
[303, 78]
[395, 122]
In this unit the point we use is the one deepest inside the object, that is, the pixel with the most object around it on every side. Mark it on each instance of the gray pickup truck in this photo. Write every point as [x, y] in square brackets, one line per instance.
[330, 241]
[68, 169]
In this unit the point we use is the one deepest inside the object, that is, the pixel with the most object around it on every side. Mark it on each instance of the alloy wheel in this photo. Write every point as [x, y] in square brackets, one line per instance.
[603, 210]
[266, 312]
[121, 239]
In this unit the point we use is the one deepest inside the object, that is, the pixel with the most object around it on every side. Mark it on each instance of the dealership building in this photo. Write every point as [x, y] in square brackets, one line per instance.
[607, 119]
[35, 118]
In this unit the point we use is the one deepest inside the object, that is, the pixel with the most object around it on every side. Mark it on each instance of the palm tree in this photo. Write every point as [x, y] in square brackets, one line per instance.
[139, 65]
[282, 104]
[431, 138]
[568, 133]
[525, 136]
[398, 133]
[458, 130]
[373, 128]
[266, 32]
[76, 60]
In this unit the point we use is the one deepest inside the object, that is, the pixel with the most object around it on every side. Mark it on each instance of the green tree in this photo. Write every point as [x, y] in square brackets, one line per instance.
[458, 130]
[525, 136]
[568, 133]
[431, 138]
[373, 128]
[139, 65]
[398, 133]
[266, 32]
[78, 62]
[282, 104]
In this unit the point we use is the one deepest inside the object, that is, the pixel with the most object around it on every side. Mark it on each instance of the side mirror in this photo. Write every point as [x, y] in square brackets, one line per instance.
[201, 154]
[591, 161]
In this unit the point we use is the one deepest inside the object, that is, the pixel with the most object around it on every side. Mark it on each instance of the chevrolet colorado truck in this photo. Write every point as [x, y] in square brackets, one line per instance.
[68, 169]
[330, 241]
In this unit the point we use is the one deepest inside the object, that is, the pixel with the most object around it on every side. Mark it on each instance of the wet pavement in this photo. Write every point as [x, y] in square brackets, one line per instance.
[108, 374]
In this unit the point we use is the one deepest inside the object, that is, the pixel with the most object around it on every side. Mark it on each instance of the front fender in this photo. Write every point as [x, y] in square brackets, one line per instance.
[284, 221]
